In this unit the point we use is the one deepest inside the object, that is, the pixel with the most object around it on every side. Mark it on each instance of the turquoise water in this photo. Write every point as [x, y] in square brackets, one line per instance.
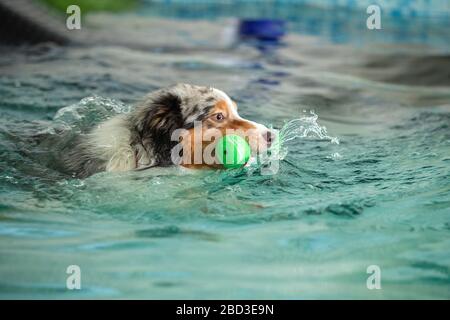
[379, 197]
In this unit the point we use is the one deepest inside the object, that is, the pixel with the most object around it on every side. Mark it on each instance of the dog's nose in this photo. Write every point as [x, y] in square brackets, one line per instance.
[269, 136]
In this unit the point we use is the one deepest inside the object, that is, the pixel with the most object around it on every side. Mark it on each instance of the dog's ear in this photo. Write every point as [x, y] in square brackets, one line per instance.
[154, 122]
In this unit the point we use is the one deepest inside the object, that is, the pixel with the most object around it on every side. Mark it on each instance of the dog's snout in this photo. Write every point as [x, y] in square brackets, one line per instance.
[269, 136]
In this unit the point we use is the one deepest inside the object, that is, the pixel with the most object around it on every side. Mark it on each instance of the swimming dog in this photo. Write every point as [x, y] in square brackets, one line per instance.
[144, 137]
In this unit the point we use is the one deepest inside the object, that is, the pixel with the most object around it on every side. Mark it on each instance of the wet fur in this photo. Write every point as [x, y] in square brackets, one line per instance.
[141, 138]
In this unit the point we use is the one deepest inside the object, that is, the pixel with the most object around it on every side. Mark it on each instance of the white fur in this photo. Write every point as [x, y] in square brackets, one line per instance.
[111, 142]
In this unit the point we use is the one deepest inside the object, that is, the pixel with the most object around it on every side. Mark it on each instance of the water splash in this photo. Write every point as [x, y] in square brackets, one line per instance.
[304, 127]
[82, 116]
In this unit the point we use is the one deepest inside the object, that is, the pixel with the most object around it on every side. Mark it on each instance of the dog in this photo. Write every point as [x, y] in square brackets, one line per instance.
[143, 138]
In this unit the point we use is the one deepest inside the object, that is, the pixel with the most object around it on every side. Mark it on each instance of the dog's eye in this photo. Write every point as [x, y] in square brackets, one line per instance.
[219, 117]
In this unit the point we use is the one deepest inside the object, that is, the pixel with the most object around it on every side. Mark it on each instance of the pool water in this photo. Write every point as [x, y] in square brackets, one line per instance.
[379, 197]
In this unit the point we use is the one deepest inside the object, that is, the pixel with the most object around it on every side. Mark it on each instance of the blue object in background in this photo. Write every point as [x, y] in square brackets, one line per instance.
[413, 22]
[264, 34]
[262, 29]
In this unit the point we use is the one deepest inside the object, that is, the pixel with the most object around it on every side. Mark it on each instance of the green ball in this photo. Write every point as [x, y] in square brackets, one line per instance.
[232, 151]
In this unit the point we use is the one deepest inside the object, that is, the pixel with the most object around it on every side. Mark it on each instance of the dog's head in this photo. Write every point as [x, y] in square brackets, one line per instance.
[192, 118]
